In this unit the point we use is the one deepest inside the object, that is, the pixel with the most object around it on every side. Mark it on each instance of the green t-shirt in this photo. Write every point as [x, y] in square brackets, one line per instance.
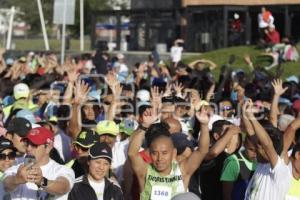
[1, 176]
[162, 187]
[231, 167]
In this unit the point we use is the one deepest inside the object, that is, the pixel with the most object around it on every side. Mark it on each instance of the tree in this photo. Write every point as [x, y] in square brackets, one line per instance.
[30, 12]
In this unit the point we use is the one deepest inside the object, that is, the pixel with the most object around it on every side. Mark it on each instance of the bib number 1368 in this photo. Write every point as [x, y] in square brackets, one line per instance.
[161, 193]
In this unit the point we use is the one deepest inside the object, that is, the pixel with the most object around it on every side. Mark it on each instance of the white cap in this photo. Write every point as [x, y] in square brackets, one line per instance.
[143, 95]
[236, 16]
[21, 90]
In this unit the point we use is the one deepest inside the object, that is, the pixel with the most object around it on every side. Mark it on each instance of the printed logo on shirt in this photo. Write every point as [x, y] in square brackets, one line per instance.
[164, 179]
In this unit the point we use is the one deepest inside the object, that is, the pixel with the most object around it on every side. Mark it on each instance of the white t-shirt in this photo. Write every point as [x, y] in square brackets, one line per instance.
[268, 183]
[262, 23]
[176, 53]
[62, 144]
[119, 155]
[51, 171]
[98, 188]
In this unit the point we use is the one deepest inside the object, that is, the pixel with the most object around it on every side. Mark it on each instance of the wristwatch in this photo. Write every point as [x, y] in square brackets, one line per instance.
[143, 127]
[44, 182]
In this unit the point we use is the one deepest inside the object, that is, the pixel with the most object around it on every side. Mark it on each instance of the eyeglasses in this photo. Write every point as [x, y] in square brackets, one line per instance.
[10, 156]
[27, 143]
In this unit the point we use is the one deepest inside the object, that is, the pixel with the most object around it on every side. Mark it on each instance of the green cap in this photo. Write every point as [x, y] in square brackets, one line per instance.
[107, 127]
[127, 126]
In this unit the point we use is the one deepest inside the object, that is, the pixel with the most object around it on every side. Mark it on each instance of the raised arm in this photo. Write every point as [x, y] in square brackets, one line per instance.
[278, 91]
[81, 92]
[72, 76]
[137, 163]
[116, 90]
[210, 92]
[193, 162]
[156, 99]
[288, 137]
[221, 144]
[247, 124]
[261, 134]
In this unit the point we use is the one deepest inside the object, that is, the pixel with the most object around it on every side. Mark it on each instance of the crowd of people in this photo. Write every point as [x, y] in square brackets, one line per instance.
[96, 128]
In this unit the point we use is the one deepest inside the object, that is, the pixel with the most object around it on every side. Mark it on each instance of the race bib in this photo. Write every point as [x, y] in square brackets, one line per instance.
[161, 193]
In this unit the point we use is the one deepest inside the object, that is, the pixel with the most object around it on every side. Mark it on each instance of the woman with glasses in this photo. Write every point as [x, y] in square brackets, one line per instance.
[7, 159]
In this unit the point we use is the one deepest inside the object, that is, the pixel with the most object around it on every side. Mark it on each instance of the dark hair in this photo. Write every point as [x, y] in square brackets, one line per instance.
[295, 149]
[275, 135]
[217, 126]
[156, 131]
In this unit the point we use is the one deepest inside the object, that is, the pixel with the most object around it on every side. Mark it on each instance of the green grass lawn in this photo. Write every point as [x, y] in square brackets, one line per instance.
[55, 45]
[221, 56]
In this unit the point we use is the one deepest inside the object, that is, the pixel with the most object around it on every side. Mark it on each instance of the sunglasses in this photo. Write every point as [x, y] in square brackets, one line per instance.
[82, 148]
[27, 143]
[10, 156]
[226, 108]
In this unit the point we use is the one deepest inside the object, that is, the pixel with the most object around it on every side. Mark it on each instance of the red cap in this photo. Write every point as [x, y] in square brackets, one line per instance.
[296, 105]
[40, 135]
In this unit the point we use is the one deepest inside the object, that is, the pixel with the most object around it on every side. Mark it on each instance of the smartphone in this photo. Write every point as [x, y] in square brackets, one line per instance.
[29, 161]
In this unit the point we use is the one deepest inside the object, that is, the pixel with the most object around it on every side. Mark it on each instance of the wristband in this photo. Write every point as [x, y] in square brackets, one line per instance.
[44, 182]
[143, 128]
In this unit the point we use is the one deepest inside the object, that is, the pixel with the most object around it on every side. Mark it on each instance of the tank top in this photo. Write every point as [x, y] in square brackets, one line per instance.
[158, 187]
[294, 191]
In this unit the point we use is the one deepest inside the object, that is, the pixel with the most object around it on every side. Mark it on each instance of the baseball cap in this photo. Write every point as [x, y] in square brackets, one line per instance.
[40, 136]
[107, 127]
[86, 138]
[94, 95]
[187, 195]
[126, 126]
[296, 105]
[53, 120]
[100, 150]
[181, 142]
[201, 103]
[22, 59]
[21, 90]
[293, 79]
[143, 95]
[6, 144]
[19, 126]
[27, 114]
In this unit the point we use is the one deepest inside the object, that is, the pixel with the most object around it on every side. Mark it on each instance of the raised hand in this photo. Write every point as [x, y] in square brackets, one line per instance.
[168, 90]
[248, 109]
[117, 90]
[278, 89]
[203, 116]
[156, 97]
[178, 89]
[149, 117]
[73, 76]
[111, 79]
[81, 92]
